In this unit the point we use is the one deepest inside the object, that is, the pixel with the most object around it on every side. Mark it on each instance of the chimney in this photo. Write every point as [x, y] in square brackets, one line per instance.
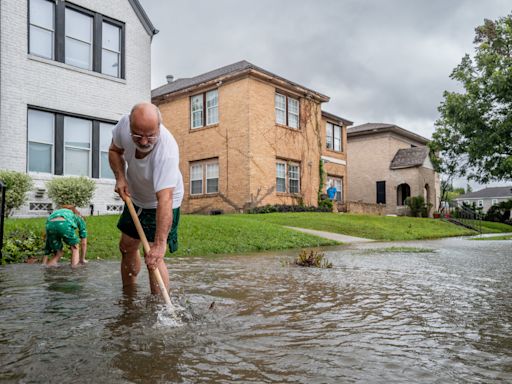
[170, 78]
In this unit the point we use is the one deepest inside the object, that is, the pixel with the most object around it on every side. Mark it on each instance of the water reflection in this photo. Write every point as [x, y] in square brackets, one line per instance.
[443, 316]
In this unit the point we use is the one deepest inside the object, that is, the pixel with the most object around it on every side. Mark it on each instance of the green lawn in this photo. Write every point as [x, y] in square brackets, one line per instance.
[388, 228]
[243, 233]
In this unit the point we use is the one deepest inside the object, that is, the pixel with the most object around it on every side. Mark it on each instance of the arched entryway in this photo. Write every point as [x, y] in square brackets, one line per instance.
[403, 191]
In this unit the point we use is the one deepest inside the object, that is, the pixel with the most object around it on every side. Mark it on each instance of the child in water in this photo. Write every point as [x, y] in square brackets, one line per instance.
[61, 226]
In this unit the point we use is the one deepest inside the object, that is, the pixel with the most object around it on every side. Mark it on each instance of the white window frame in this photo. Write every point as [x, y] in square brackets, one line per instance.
[89, 43]
[205, 110]
[288, 176]
[287, 110]
[205, 176]
[118, 53]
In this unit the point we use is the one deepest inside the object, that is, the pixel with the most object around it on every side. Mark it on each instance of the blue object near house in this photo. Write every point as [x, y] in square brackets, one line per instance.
[331, 192]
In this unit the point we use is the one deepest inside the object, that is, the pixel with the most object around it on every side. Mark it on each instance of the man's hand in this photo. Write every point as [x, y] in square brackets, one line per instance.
[154, 256]
[122, 187]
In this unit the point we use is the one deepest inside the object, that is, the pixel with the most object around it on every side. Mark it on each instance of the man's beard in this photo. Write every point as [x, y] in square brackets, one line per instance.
[144, 148]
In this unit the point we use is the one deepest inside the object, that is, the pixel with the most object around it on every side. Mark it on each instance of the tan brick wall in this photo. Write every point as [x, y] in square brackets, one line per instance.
[247, 141]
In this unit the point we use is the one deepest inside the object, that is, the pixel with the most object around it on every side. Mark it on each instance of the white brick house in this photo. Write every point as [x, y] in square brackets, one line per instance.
[68, 72]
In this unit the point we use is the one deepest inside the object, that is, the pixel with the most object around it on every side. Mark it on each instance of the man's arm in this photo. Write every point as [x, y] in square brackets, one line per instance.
[163, 226]
[117, 163]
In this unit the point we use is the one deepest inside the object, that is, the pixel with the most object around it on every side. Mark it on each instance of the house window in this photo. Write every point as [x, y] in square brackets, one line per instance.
[204, 177]
[78, 46]
[287, 177]
[334, 139]
[111, 50]
[480, 203]
[77, 146]
[403, 191]
[287, 110]
[494, 202]
[204, 107]
[381, 192]
[63, 144]
[40, 141]
[337, 182]
[42, 28]
[76, 36]
[105, 140]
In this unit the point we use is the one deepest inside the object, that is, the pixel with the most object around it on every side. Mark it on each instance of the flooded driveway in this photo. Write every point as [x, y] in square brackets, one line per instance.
[380, 317]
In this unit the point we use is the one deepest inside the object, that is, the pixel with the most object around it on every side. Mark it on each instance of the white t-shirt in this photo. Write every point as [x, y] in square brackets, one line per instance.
[157, 171]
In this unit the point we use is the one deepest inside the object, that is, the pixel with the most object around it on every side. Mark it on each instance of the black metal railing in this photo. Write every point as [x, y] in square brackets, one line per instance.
[465, 217]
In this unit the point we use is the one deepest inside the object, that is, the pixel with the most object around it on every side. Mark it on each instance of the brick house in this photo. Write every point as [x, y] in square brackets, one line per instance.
[68, 72]
[387, 164]
[248, 138]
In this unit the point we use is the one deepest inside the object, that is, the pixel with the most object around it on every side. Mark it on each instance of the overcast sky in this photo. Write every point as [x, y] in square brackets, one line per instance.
[378, 60]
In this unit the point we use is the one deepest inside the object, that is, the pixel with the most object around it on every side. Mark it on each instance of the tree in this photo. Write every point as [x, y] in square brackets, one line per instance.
[473, 136]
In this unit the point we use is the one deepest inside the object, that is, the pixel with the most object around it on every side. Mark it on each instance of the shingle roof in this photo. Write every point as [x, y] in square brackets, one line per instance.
[372, 128]
[492, 192]
[409, 157]
[232, 69]
[331, 116]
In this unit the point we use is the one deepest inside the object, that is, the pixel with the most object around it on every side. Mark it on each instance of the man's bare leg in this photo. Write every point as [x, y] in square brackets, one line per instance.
[130, 261]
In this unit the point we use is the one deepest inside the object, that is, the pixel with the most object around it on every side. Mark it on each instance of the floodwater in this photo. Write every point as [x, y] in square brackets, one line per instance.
[437, 317]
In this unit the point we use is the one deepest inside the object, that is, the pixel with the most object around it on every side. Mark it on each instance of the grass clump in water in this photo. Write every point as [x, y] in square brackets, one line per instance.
[312, 258]
[503, 237]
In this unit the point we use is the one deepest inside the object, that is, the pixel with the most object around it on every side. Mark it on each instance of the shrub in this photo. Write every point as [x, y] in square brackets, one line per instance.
[77, 191]
[17, 184]
[499, 212]
[21, 244]
[325, 204]
[312, 259]
[418, 206]
[288, 208]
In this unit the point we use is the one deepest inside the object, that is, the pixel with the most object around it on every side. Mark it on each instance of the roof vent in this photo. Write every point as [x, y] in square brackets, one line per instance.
[170, 78]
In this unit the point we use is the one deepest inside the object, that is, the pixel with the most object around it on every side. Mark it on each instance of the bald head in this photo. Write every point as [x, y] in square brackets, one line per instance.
[145, 119]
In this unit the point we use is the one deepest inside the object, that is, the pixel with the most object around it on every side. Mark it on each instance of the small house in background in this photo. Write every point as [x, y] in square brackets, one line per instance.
[485, 198]
[249, 137]
[387, 164]
[69, 71]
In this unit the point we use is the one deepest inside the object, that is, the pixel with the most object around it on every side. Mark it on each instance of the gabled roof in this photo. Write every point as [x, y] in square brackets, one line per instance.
[231, 70]
[493, 192]
[373, 128]
[143, 17]
[409, 157]
[330, 116]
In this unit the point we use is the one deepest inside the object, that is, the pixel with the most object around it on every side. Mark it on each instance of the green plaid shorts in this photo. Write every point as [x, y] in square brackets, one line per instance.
[58, 232]
[147, 218]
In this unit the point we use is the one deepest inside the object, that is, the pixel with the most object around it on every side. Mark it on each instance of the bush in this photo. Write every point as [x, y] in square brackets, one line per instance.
[288, 208]
[499, 212]
[17, 184]
[77, 191]
[325, 204]
[21, 244]
[418, 206]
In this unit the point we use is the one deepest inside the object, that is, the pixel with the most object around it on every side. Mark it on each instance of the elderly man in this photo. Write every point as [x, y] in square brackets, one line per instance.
[144, 157]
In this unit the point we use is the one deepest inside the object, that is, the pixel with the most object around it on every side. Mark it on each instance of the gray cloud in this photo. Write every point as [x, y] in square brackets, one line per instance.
[379, 61]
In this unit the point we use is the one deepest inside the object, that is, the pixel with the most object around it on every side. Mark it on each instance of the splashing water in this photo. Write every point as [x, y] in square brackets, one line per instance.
[169, 316]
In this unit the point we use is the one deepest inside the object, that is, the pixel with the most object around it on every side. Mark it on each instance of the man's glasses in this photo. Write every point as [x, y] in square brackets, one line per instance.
[151, 138]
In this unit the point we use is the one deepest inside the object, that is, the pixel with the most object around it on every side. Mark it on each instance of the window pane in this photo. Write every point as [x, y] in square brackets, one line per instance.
[41, 13]
[294, 186]
[41, 42]
[196, 106]
[212, 111]
[78, 53]
[105, 170]
[110, 63]
[40, 126]
[196, 172]
[76, 162]
[105, 136]
[197, 119]
[212, 170]
[280, 103]
[294, 171]
[280, 117]
[328, 135]
[293, 121]
[196, 187]
[281, 177]
[337, 138]
[111, 37]
[212, 185]
[280, 168]
[78, 26]
[293, 106]
[77, 132]
[39, 157]
[280, 185]
[212, 98]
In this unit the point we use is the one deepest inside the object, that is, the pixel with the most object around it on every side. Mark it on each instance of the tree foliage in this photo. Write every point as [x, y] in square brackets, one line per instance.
[17, 185]
[473, 136]
[77, 191]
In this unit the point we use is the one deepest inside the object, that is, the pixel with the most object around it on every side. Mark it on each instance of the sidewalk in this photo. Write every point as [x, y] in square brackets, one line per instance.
[333, 236]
